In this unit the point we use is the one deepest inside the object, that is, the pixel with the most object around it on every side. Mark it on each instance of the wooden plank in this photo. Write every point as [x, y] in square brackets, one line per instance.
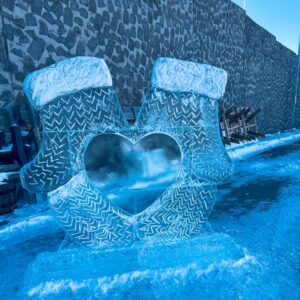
[253, 115]
[28, 152]
[9, 168]
[244, 122]
[257, 134]
[2, 139]
[234, 140]
[241, 137]
[247, 111]
[237, 116]
[226, 141]
[225, 126]
[229, 111]
[18, 146]
[251, 137]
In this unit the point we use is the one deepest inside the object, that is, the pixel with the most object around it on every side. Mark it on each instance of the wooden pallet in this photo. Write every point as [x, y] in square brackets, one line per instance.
[12, 157]
[238, 124]
[131, 113]
[19, 151]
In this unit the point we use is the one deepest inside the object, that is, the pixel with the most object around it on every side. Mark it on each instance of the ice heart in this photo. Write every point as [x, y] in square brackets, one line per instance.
[132, 175]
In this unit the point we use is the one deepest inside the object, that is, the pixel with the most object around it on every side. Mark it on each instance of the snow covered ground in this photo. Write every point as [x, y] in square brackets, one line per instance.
[271, 141]
[250, 252]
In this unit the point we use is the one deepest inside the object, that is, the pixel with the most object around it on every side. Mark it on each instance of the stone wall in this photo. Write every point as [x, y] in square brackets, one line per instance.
[131, 34]
[297, 109]
[270, 71]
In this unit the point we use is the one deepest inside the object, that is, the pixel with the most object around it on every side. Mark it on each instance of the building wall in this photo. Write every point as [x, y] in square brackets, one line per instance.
[131, 34]
[297, 108]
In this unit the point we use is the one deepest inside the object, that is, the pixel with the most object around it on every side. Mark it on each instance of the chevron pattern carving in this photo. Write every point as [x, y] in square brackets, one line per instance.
[66, 122]
[69, 124]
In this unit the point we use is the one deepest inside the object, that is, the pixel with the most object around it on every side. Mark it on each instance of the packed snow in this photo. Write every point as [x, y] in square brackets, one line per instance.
[183, 76]
[67, 76]
[251, 249]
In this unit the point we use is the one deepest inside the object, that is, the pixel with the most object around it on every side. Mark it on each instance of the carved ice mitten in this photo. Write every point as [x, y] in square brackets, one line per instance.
[183, 102]
[73, 97]
[76, 103]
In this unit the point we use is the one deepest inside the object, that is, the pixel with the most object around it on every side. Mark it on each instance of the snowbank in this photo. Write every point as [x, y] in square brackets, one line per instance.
[245, 150]
[27, 229]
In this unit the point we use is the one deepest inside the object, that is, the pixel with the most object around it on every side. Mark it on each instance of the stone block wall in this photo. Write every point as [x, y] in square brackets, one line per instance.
[131, 34]
[270, 71]
[6, 92]
[297, 109]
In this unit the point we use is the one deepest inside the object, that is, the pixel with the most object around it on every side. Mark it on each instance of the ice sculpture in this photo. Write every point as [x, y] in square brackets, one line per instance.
[112, 183]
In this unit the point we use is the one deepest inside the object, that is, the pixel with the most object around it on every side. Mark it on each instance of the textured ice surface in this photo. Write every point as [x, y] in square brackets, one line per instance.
[153, 195]
[67, 76]
[257, 258]
[183, 76]
[26, 229]
[135, 271]
[25, 223]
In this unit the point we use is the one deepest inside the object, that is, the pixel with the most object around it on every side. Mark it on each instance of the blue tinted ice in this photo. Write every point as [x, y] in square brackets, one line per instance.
[112, 183]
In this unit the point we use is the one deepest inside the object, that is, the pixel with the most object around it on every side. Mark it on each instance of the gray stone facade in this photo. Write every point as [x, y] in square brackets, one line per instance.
[131, 34]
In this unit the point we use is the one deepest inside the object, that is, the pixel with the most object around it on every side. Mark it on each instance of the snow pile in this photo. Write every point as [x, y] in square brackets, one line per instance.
[245, 150]
[27, 229]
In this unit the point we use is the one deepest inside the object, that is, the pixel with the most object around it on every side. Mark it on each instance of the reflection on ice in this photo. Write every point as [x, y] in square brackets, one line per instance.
[132, 176]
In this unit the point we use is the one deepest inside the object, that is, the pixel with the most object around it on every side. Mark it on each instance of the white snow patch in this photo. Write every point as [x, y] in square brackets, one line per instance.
[27, 229]
[244, 260]
[245, 150]
[3, 177]
[185, 76]
[67, 76]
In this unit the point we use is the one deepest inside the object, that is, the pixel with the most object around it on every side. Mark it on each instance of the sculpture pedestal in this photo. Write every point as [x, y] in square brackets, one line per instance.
[148, 271]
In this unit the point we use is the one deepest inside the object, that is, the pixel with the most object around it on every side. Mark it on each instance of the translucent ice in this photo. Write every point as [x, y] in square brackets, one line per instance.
[67, 76]
[112, 183]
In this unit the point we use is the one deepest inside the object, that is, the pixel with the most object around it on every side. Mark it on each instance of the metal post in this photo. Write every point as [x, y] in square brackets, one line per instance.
[296, 87]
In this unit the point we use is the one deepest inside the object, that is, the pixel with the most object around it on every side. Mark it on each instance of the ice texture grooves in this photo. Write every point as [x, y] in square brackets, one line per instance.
[67, 76]
[257, 258]
[184, 76]
[109, 274]
[71, 122]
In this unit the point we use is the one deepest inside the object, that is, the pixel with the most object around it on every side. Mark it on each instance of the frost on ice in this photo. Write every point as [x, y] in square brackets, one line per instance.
[112, 183]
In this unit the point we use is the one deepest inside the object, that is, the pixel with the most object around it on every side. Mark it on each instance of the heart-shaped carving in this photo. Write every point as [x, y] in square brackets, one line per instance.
[132, 175]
